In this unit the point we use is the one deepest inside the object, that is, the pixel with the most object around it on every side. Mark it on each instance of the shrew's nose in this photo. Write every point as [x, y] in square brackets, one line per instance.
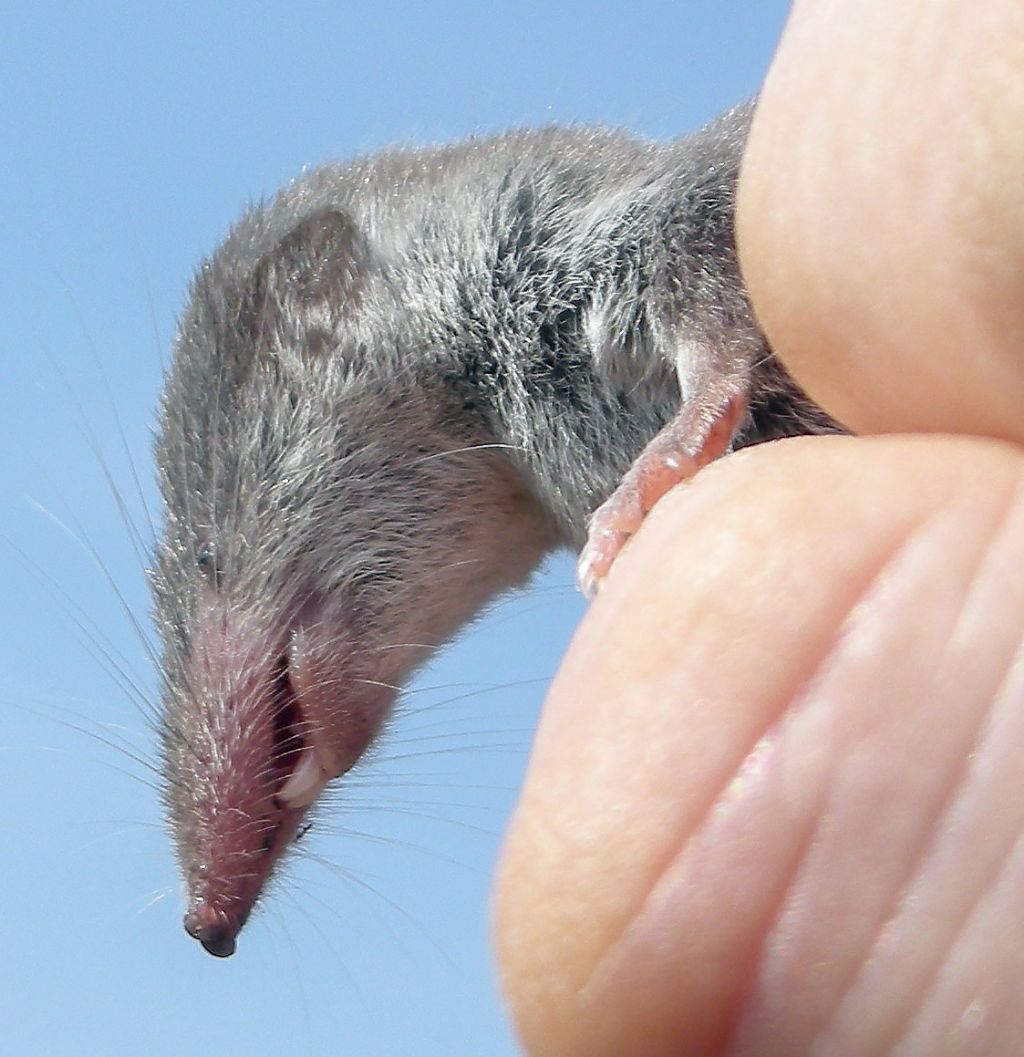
[213, 930]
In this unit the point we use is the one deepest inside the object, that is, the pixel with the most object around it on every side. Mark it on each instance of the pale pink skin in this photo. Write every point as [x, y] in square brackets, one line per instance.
[680, 449]
[775, 802]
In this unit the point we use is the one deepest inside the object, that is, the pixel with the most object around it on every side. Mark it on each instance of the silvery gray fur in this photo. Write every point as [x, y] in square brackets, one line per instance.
[401, 381]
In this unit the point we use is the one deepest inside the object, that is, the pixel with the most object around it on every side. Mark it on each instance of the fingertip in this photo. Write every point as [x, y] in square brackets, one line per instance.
[879, 213]
[707, 627]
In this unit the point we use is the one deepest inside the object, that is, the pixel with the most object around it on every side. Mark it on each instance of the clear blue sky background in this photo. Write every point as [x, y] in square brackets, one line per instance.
[130, 135]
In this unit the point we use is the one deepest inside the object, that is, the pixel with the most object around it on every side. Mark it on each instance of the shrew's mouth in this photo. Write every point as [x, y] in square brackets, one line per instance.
[287, 717]
[303, 758]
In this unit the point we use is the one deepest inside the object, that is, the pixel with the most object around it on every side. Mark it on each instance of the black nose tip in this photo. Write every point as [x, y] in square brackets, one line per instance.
[221, 944]
[212, 929]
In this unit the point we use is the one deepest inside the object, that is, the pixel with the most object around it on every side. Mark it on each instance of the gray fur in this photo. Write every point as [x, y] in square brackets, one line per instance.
[401, 381]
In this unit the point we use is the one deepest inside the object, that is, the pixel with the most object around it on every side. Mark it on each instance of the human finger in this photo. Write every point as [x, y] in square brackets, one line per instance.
[881, 212]
[774, 797]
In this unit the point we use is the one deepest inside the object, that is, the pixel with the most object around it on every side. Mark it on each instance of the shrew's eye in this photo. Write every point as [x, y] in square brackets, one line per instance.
[206, 559]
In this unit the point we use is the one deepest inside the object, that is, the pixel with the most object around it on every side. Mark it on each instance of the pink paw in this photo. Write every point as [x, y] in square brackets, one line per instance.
[610, 527]
[673, 456]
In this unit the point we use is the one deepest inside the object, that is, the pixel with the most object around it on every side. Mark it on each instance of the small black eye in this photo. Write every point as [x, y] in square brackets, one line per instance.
[206, 559]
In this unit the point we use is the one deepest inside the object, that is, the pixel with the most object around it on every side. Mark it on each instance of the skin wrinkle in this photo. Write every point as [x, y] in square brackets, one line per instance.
[948, 516]
[977, 768]
[927, 831]
[892, 1039]
[821, 813]
[780, 711]
[948, 966]
[946, 492]
[893, 549]
[934, 833]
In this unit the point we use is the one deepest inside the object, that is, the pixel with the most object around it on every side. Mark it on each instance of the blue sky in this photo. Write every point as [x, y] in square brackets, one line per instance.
[130, 136]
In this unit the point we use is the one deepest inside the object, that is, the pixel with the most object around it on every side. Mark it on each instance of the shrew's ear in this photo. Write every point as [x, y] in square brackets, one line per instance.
[311, 281]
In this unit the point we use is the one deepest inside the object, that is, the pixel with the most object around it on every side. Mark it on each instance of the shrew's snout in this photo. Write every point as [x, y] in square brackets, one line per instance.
[274, 713]
[214, 930]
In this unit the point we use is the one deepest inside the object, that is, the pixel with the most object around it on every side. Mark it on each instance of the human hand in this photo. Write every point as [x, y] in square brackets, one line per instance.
[774, 805]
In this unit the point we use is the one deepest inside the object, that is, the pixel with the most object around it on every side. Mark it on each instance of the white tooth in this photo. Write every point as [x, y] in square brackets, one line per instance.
[307, 682]
[306, 781]
[328, 761]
